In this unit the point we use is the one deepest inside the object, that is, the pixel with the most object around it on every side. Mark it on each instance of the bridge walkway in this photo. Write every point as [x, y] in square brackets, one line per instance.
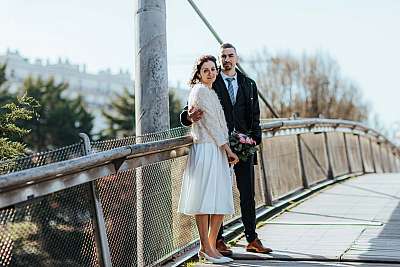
[352, 223]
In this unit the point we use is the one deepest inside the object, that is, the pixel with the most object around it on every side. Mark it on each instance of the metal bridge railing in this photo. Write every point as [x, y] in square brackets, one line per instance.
[116, 204]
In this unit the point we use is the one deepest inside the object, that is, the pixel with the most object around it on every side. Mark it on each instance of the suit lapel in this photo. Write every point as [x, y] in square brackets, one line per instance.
[241, 90]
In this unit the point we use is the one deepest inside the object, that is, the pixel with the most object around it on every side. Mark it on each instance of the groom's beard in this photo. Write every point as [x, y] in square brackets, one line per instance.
[227, 66]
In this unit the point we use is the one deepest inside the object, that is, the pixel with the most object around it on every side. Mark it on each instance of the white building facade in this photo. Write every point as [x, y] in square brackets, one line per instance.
[97, 90]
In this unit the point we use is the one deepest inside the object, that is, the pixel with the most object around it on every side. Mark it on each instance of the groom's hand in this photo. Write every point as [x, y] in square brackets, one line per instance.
[194, 114]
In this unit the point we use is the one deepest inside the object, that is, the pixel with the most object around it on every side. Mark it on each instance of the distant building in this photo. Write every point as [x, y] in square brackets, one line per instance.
[96, 89]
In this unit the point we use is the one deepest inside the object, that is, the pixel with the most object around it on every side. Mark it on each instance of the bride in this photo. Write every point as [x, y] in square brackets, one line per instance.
[207, 184]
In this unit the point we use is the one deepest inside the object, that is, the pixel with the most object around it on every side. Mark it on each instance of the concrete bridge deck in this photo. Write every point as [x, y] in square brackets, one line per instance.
[352, 223]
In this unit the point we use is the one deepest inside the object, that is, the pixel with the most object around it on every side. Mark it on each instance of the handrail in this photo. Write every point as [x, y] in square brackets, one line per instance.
[63, 168]
[299, 122]
[57, 170]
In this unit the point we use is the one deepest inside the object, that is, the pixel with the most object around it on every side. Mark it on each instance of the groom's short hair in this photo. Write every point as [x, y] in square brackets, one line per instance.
[227, 45]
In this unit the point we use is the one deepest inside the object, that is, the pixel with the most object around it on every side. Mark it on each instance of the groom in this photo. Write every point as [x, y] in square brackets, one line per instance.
[239, 99]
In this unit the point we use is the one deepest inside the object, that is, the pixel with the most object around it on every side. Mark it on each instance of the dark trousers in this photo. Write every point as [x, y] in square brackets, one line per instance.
[244, 172]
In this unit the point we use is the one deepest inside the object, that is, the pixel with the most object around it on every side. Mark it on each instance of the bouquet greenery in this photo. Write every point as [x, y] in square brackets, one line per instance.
[242, 145]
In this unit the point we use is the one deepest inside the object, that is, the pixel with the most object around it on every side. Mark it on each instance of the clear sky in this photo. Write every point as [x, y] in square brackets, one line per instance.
[362, 35]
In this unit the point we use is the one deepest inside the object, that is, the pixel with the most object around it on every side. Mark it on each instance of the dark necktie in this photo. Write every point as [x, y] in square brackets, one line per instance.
[230, 90]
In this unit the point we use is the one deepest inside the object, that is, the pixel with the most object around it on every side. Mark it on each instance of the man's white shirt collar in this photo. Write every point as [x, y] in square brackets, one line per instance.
[224, 76]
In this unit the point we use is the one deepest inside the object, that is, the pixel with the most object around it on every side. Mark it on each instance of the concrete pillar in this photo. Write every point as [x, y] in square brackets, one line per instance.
[151, 75]
[154, 218]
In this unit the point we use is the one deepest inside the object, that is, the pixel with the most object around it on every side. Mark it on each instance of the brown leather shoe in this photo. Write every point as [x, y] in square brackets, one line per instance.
[257, 247]
[223, 248]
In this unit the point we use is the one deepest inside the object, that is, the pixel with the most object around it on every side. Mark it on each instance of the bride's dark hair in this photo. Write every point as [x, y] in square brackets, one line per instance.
[195, 77]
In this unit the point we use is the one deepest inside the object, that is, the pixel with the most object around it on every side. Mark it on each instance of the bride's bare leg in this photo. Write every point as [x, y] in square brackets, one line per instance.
[215, 224]
[202, 227]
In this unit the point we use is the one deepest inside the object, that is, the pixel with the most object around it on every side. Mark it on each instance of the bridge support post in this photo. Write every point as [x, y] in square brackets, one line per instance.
[346, 148]
[380, 156]
[361, 154]
[100, 232]
[329, 174]
[301, 162]
[372, 155]
[266, 187]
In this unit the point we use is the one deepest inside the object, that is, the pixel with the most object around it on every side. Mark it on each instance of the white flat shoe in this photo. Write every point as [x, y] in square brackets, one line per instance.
[204, 257]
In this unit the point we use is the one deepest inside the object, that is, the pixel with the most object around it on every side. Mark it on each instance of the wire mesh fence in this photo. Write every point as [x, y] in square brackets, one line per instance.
[172, 133]
[314, 156]
[338, 153]
[55, 230]
[354, 153]
[42, 158]
[282, 165]
[117, 195]
[98, 146]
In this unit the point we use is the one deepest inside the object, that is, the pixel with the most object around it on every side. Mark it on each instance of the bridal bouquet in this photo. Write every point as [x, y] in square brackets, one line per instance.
[242, 145]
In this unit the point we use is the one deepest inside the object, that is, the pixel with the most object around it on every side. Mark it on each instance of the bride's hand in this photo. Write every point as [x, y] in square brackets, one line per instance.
[232, 158]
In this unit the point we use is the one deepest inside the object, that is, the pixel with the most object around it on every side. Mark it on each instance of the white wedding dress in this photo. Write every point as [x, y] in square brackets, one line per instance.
[207, 181]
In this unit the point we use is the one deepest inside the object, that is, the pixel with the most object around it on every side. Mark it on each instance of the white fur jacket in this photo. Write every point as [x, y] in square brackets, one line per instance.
[211, 128]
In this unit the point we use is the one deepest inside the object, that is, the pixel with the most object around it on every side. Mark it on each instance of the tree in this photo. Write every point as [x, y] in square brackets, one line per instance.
[58, 123]
[175, 108]
[60, 119]
[3, 78]
[21, 110]
[121, 115]
[13, 110]
[312, 86]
